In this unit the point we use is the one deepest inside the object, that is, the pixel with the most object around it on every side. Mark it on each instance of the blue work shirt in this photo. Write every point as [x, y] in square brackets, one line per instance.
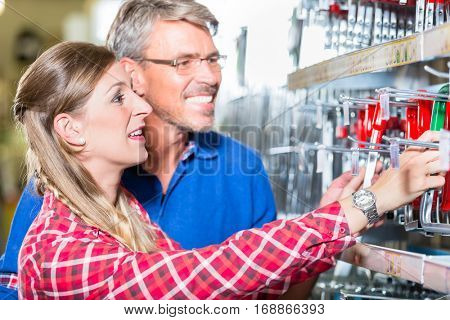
[219, 187]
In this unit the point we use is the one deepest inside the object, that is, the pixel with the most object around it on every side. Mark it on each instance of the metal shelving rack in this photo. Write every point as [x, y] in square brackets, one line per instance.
[432, 272]
[419, 47]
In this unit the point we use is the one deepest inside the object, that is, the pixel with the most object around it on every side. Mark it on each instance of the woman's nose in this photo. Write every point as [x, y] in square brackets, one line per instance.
[141, 106]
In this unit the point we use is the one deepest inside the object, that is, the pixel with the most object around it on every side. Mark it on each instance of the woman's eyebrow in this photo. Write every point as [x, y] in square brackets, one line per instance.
[117, 84]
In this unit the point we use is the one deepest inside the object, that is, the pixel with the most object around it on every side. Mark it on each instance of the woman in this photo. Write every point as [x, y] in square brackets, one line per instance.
[93, 240]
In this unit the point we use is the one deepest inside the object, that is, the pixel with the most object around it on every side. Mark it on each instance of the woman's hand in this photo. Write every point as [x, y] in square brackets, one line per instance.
[346, 184]
[419, 171]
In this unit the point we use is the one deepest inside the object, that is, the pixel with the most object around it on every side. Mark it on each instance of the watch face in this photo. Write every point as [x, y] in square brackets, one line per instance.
[363, 199]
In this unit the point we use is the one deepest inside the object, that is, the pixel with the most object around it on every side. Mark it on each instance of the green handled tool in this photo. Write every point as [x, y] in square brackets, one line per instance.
[438, 114]
[437, 124]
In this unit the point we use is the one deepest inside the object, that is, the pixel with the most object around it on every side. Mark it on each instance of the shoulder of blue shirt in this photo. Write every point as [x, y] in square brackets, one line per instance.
[211, 143]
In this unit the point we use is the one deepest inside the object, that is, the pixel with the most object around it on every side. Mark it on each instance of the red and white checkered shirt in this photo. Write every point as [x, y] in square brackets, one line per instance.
[64, 258]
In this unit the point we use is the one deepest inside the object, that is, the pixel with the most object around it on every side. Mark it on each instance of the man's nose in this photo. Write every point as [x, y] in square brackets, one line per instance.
[205, 74]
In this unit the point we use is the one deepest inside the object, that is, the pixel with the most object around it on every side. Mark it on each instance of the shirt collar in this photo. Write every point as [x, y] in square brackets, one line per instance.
[200, 145]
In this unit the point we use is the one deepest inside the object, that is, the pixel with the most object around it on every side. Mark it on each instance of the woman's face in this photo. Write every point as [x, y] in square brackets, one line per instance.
[113, 123]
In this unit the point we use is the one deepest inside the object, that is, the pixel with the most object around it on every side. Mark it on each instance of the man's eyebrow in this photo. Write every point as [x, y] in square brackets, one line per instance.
[117, 84]
[196, 55]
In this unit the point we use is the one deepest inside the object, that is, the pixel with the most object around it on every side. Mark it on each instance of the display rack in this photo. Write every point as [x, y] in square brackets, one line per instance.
[415, 48]
[433, 272]
[430, 271]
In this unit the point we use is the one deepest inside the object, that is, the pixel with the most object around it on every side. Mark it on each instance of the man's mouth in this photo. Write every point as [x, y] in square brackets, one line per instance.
[200, 99]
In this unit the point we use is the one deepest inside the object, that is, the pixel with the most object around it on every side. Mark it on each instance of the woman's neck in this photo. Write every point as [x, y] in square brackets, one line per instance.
[107, 178]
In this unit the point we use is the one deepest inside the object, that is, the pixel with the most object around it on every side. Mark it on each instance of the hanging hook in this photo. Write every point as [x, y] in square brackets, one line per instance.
[435, 72]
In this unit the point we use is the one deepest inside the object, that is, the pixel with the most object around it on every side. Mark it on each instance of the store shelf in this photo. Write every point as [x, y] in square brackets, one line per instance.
[432, 272]
[418, 47]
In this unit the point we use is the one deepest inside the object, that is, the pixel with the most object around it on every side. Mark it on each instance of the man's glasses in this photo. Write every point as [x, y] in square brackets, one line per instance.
[186, 66]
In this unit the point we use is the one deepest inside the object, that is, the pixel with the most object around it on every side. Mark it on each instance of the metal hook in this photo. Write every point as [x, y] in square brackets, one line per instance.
[435, 72]
[416, 143]
[352, 139]
[375, 101]
[412, 94]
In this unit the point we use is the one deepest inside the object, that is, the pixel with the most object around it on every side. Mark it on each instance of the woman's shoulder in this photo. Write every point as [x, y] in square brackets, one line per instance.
[56, 222]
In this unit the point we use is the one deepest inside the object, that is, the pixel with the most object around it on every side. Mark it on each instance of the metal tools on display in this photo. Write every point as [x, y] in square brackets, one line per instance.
[356, 24]
[368, 130]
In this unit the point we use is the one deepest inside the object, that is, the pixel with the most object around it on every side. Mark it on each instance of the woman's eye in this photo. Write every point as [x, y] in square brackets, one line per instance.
[118, 98]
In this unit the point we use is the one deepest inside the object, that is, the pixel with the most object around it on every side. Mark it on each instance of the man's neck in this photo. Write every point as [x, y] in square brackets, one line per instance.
[165, 145]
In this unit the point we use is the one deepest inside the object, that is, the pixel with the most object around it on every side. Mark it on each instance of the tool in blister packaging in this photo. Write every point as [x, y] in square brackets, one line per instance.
[429, 205]
[359, 26]
[445, 202]
[335, 17]
[420, 15]
[409, 28]
[423, 121]
[378, 128]
[368, 120]
[378, 23]
[440, 16]
[360, 127]
[447, 10]
[368, 26]
[429, 14]
[342, 36]
[393, 25]
[341, 127]
[351, 23]
[386, 24]
[401, 24]
[411, 131]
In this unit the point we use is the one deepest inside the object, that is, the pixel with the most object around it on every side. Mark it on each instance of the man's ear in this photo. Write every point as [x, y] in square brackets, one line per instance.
[69, 129]
[137, 75]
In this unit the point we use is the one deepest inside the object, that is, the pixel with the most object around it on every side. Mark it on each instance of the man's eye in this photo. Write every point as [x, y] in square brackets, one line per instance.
[213, 60]
[184, 63]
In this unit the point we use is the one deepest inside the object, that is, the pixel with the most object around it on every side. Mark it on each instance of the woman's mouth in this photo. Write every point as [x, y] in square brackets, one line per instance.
[137, 135]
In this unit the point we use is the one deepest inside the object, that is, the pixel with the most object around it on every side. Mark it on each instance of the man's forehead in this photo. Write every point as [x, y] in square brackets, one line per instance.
[179, 37]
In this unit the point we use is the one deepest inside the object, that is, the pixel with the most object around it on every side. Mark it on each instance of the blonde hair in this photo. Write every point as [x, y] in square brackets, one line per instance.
[130, 30]
[61, 80]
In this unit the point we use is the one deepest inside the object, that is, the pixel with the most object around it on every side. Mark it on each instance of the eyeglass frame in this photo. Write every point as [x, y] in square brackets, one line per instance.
[175, 62]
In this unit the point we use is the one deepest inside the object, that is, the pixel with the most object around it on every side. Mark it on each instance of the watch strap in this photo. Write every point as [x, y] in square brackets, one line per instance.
[372, 214]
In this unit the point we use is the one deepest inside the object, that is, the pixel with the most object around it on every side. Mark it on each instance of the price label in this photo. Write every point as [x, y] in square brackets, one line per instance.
[346, 113]
[384, 103]
[393, 263]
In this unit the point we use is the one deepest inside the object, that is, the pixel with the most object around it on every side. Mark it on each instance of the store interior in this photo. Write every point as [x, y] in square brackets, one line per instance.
[318, 88]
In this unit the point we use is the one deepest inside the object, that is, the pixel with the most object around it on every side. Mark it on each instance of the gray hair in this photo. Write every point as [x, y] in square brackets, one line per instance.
[130, 30]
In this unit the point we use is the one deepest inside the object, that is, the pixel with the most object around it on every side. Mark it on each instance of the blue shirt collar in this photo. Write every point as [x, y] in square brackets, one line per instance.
[202, 145]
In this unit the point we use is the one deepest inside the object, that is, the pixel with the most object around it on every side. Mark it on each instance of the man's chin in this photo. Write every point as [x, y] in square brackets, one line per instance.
[198, 126]
[195, 124]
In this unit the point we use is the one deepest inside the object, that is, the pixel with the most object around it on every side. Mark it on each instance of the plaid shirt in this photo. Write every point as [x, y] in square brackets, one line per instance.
[64, 258]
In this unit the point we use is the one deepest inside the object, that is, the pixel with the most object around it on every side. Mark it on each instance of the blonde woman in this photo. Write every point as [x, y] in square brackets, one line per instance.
[93, 240]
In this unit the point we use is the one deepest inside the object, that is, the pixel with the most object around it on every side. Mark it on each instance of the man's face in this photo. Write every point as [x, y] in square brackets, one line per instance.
[186, 101]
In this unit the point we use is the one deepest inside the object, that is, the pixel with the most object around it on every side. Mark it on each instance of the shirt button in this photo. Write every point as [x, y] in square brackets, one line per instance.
[342, 230]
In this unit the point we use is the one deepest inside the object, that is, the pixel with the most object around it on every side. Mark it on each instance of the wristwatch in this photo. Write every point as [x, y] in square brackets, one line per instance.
[365, 201]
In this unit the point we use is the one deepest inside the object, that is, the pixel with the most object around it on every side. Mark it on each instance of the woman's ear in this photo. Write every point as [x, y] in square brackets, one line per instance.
[69, 129]
[136, 73]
